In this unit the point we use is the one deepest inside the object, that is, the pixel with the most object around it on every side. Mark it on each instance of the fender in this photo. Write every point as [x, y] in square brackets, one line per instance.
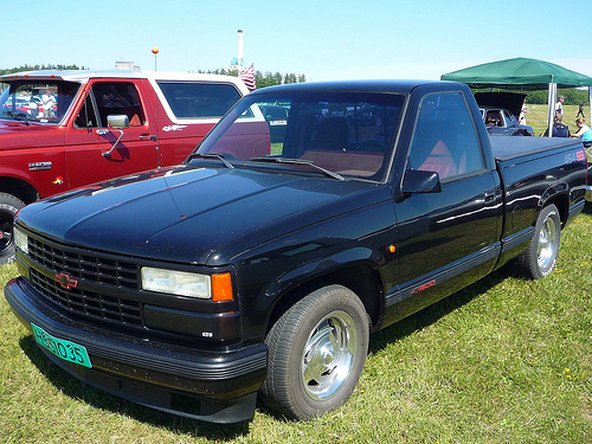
[553, 192]
[16, 174]
[356, 256]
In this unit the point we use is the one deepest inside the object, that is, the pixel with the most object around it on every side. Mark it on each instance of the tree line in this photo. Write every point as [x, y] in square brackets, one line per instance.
[263, 78]
[572, 96]
[38, 67]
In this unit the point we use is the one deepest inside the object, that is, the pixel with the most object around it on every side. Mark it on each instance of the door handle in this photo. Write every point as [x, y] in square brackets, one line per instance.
[152, 137]
[489, 195]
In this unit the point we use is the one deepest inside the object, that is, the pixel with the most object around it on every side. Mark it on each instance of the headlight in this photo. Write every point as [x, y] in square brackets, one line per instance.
[21, 240]
[176, 282]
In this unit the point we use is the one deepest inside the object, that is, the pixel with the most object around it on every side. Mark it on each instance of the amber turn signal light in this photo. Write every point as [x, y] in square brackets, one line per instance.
[221, 287]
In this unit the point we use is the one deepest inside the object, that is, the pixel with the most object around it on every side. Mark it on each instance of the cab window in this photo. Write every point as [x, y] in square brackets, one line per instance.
[190, 100]
[108, 98]
[445, 140]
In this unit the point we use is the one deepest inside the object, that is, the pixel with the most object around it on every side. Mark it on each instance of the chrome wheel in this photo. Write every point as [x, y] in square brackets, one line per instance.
[547, 244]
[329, 355]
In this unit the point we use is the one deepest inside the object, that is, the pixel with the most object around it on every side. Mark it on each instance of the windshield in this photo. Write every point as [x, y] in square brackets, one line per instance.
[351, 134]
[37, 101]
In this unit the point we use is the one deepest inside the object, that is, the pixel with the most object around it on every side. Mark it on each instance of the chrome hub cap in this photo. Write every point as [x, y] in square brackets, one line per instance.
[329, 355]
[547, 244]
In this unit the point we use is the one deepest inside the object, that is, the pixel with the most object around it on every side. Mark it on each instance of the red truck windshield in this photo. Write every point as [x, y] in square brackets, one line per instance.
[37, 101]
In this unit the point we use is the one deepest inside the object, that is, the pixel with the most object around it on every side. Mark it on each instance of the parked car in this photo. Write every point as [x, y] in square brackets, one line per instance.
[80, 138]
[254, 268]
[500, 122]
[277, 119]
[503, 110]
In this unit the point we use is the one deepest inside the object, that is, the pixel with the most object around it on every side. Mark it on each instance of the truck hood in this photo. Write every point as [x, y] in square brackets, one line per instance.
[16, 135]
[195, 215]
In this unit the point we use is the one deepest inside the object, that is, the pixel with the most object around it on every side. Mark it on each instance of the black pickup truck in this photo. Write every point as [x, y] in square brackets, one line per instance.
[262, 268]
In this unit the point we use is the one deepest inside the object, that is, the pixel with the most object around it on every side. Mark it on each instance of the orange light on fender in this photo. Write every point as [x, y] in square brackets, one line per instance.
[222, 287]
[392, 249]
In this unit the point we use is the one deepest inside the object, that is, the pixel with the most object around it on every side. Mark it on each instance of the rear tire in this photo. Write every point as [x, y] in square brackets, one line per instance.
[9, 206]
[316, 352]
[539, 259]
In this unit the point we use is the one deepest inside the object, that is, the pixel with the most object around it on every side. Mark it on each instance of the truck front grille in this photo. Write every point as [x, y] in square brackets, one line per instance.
[82, 266]
[87, 303]
[99, 281]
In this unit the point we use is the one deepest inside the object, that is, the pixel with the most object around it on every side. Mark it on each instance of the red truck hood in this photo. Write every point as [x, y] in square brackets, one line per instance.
[14, 135]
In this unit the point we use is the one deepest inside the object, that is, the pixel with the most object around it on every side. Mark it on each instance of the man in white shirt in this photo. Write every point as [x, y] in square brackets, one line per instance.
[559, 106]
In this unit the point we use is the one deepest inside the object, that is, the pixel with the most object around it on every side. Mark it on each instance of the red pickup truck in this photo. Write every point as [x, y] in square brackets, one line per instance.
[64, 129]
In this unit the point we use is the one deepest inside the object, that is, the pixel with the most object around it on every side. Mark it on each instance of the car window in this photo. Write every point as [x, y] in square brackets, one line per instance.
[190, 100]
[510, 119]
[117, 98]
[444, 139]
[348, 133]
[86, 117]
[37, 101]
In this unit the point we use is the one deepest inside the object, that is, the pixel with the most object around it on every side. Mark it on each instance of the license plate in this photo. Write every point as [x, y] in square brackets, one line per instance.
[66, 350]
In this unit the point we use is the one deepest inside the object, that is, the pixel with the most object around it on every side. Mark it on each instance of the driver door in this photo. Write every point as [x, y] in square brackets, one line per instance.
[88, 136]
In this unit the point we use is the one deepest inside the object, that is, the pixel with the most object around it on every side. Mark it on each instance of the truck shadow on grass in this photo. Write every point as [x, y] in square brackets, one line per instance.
[105, 401]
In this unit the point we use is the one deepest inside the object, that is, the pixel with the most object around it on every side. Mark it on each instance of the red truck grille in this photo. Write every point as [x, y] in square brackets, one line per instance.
[90, 304]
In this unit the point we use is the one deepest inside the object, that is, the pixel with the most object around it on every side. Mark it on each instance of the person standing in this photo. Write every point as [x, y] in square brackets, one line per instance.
[559, 106]
[581, 110]
[523, 111]
[49, 102]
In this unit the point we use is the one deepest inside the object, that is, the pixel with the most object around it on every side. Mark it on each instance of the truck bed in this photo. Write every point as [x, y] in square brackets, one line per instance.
[510, 147]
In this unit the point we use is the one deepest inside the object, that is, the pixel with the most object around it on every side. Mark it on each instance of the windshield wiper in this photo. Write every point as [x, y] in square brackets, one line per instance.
[308, 163]
[220, 157]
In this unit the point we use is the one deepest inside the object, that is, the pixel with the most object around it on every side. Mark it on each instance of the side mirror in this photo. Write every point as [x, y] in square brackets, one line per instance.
[417, 181]
[118, 121]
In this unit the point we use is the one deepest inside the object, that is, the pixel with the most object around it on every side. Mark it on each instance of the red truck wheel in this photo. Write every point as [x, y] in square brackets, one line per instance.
[316, 352]
[9, 206]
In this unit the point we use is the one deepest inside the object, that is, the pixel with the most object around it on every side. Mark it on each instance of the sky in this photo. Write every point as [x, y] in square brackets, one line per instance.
[324, 40]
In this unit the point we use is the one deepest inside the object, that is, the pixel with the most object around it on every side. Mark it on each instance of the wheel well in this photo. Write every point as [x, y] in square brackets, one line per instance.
[364, 281]
[562, 204]
[18, 188]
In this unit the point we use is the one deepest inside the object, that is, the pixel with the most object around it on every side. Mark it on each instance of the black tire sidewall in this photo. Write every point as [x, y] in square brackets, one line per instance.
[9, 205]
[309, 312]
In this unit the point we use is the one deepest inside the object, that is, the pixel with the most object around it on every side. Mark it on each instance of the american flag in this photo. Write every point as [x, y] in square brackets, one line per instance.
[248, 76]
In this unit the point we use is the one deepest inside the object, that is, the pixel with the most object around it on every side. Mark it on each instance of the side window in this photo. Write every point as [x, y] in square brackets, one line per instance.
[118, 98]
[190, 100]
[445, 140]
[86, 118]
[494, 118]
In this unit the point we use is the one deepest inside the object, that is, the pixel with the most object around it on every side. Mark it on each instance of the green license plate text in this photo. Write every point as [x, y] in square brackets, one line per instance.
[66, 350]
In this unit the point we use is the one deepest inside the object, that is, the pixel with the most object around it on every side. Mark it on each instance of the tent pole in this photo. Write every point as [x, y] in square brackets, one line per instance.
[590, 101]
[551, 108]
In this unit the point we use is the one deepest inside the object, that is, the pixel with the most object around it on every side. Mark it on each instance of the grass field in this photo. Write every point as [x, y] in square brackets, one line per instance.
[537, 117]
[506, 360]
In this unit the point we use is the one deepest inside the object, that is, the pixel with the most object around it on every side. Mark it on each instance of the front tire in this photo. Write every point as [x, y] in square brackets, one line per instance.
[541, 256]
[9, 206]
[316, 352]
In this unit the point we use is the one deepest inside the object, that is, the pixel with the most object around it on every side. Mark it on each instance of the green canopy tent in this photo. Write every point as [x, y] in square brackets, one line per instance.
[522, 73]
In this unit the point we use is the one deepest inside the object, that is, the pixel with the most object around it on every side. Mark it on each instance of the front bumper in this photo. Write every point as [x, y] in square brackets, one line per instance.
[210, 386]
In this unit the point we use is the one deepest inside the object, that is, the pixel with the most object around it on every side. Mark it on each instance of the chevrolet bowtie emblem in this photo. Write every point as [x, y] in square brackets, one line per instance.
[66, 281]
